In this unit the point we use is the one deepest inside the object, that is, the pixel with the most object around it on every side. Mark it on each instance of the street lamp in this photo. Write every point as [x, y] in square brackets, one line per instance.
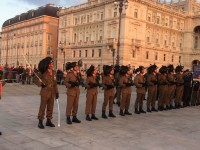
[17, 55]
[7, 51]
[61, 47]
[120, 4]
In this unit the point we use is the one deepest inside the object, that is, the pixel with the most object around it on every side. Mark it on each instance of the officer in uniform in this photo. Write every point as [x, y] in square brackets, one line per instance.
[152, 83]
[118, 88]
[172, 86]
[125, 85]
[163, 88]
[108, 86]
[72, 82]
[179, 86]
[92, 92]
[140, 84]
[49, 90]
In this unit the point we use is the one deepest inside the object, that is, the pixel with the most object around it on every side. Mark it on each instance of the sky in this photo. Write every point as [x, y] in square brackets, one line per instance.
[11, 8]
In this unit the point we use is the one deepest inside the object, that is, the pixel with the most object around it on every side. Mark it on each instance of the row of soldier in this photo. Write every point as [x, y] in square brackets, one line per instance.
[168, 84]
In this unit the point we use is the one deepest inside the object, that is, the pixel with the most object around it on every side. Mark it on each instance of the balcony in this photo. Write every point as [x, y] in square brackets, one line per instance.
[86, 44]
[136, 42]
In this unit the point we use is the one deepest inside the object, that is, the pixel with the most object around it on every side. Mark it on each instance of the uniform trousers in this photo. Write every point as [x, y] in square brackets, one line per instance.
[72, 105]
[46, 103]
[125, 101]
[91, 103]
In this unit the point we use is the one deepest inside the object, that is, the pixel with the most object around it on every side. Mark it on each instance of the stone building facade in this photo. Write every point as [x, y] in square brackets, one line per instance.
[29, 37]
[152, 31]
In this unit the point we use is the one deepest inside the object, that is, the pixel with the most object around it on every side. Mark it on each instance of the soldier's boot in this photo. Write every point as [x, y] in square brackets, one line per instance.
[160, 108]
[40, 124]
[49, 123]
[68, 120]
[171, 106]
[94, 117]
[111, 114]
[88, 118]
[141, 110]
[167, 107]
[153, 109]
[118, 103]
[0, 133]
[148, 109]
[75, 119]
[104, 114]
[136, 111]
[121, 113]
[127, 112]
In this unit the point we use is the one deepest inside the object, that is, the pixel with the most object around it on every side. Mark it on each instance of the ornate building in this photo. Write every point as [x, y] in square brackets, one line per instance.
[152, 31]
[29, 37]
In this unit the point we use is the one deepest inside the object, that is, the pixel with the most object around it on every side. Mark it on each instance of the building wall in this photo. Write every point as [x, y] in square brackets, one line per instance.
[138, 23]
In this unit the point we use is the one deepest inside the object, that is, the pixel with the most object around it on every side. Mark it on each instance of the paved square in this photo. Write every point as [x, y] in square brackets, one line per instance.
[168, 130]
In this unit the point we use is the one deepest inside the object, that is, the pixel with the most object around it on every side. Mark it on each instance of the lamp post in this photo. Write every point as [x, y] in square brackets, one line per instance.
[120, 4]
[61, 47]
[17, 55]
[7, 51]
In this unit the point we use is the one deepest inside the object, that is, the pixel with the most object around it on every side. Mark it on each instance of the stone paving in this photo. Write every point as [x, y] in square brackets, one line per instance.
[167, 130]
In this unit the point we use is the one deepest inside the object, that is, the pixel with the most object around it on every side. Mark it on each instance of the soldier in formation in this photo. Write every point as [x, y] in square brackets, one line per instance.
[108, 86]
[140, 84]
[152, 83]
[46, 79]
[72, 82]
[125, 86]
[92, 92]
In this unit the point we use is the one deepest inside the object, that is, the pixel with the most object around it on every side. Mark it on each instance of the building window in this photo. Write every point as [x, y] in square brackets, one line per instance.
[93, 53]
[133, 53]
[147, 55]
[196, 42]
[74, 54]
[164, 57]
[179, 59]
[79, 53]
[102, 16]
[88, 18]
[149, 17]
[99, 52]
[158, 20]
[172, 58]
[49, 37]
[148, 39]
[86, 53]
[166, 22]
[136, 13]
[156, 55]
[115, 13]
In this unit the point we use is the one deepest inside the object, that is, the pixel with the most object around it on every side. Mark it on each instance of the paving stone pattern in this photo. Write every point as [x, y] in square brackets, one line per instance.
[168, 130]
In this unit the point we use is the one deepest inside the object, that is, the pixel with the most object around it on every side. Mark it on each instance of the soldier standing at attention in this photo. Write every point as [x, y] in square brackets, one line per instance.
[108, 85]
[179, 86]
[92, 92]
[49, 90]
[117, 77]
[163, 88]
[172, 86]
[152, 83]
[140, 85]
[72, 82]
[125, 85]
